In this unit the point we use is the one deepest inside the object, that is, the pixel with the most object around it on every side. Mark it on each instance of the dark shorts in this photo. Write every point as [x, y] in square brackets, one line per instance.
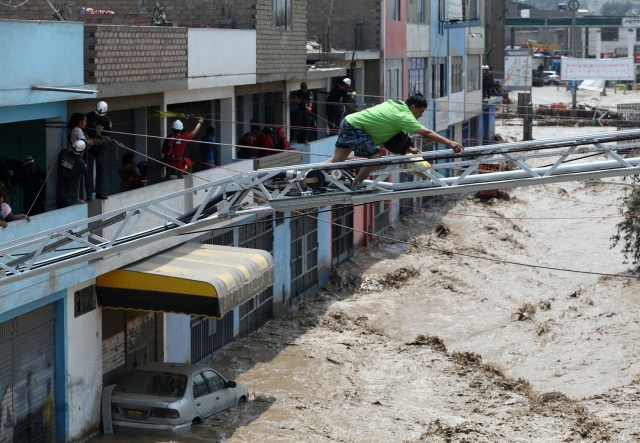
[355, 139]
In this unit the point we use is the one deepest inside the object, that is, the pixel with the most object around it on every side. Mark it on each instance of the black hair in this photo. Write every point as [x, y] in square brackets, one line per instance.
[417, 100]
[75, 120]
[211, 130]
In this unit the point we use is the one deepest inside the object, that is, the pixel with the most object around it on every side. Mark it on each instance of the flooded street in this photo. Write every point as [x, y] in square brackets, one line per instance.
[473, 321]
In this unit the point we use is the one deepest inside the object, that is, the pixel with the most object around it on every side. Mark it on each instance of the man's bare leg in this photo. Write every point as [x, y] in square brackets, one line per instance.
[340, 155]
[365, 171]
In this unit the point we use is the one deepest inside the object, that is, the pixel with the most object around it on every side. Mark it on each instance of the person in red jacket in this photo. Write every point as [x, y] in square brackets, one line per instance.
[173, 149]
[264, 140]
[281, 141]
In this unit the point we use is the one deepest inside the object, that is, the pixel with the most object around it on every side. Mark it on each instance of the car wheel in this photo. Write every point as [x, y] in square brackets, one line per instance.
[242, 401]
[196, 421]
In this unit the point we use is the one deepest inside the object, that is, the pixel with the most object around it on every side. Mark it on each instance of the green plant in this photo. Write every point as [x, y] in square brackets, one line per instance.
[628, 230]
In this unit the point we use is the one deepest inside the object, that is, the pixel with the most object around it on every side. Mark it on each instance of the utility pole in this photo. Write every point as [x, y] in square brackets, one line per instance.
[573, 6]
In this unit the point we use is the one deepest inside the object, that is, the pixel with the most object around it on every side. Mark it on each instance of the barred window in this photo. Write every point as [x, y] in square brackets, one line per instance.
[456, 74]
[393, 78]
[470, 10]
[438, 72]
[416, 11]
[417, 75]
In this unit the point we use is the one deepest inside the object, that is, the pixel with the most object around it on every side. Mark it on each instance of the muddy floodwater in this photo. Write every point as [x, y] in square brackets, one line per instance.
[500, 320]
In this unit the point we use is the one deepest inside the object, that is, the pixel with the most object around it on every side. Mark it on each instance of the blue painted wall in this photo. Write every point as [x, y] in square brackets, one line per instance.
[40, 53]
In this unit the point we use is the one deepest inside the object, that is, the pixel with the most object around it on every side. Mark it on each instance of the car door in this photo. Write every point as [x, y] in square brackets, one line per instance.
[203, 399]
[225, 398]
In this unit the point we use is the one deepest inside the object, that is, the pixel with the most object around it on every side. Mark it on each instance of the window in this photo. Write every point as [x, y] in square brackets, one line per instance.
[473, 72]
[393, 78]
[470, 10]
[609, 34]
[417, 75]
[199, 386]
[257, 235]
[456, 74]
[438, 71]
[215, 381]
[282, 14]
[393, 12]
[84, 301]
[454, 10]
[416, 11]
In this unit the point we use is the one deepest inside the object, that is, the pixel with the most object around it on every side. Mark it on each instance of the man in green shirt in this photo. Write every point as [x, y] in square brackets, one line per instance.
[363, 131]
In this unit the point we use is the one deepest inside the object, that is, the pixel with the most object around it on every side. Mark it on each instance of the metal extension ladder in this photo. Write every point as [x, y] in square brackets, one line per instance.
[317, 185]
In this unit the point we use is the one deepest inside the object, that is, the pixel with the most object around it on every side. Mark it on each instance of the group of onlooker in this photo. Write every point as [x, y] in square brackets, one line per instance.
[88, 138]
[261, 142]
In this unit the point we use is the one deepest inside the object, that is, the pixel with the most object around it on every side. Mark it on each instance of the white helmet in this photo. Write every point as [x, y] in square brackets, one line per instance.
[347, 81]
[177, 125]
[101, 108]
[79, 146]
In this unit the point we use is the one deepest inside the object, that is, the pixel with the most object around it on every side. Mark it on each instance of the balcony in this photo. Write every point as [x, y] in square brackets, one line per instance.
[124, 60]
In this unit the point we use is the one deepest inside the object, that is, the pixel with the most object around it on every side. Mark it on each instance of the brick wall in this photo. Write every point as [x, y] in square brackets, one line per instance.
[125, 54]
[281, 54]
[353, 24]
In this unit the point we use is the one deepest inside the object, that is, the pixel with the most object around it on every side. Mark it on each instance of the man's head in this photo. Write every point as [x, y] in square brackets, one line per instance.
[417, 104]
[101, 108]
[303, 86]
[79, 146]
[177, 126]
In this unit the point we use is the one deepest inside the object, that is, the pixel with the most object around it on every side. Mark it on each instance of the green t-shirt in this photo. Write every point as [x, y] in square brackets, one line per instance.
[385, 120]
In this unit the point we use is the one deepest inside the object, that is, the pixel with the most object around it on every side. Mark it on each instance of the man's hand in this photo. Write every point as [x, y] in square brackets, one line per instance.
[200, 120]
[457, 147]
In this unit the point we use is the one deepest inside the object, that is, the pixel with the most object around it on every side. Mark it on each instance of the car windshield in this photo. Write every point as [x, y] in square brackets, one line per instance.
[161, 384]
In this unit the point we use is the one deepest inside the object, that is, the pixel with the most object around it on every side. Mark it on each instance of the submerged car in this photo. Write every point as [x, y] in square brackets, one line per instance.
[171, 396]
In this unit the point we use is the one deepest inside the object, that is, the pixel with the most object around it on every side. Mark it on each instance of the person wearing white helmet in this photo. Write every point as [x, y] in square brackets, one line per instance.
[71, 168]
[173, 149]
[98, 126]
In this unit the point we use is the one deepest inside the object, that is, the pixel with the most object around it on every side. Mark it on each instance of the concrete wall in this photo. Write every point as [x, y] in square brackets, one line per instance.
[84, 368]
[221, 57]
[281, 257]
[22, 292]
[40, 54]
[417, 40]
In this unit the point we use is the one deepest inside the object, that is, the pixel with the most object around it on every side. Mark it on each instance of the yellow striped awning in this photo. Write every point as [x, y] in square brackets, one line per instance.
[193, 278]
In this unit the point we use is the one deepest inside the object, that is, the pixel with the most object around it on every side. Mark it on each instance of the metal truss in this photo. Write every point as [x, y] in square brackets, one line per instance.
[316, 185]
